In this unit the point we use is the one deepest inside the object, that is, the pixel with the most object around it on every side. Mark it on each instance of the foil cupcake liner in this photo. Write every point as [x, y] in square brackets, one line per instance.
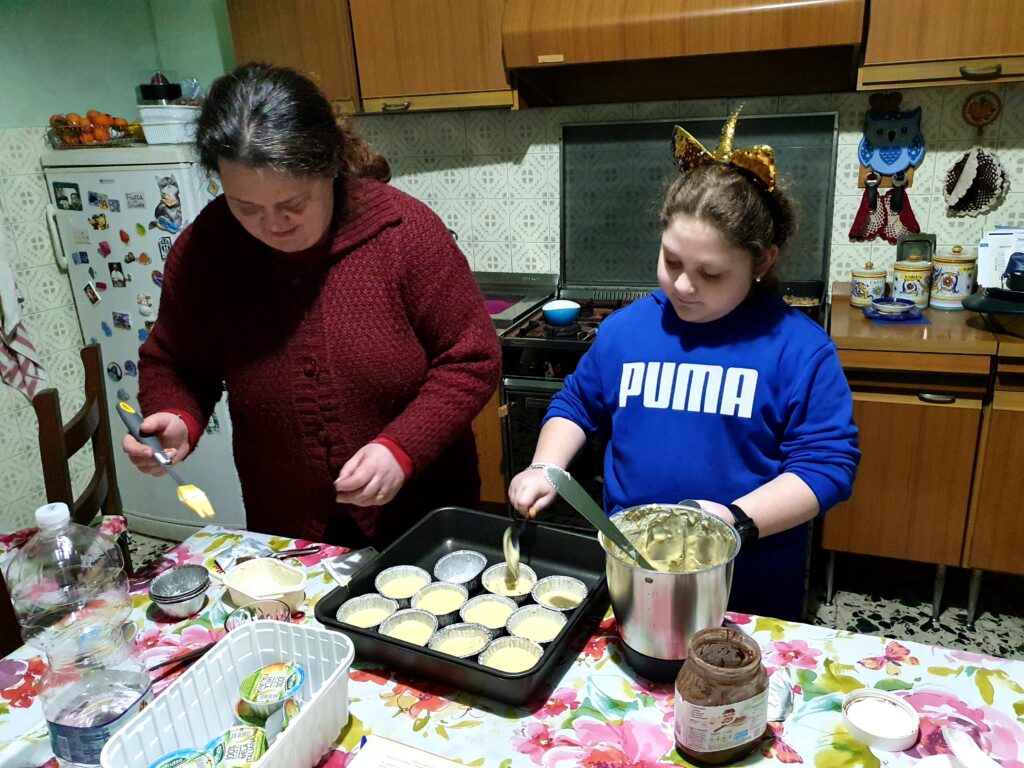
[473, 637]
[390, 575]
[179, 584]
[539, 618]
[559, 593]
[491, 654]
[493, 580]
[508, 605]
[463, 566]
[369, 602]
[422, 598]
[391, 624]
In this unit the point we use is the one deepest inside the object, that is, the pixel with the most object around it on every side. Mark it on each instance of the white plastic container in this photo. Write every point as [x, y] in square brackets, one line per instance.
[169, 124]
[201, 703]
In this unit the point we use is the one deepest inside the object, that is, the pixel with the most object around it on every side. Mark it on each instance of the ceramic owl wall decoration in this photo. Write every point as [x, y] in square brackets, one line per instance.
[892, 140]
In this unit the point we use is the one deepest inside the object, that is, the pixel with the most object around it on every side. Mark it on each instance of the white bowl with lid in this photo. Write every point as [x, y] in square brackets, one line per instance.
[881, 720]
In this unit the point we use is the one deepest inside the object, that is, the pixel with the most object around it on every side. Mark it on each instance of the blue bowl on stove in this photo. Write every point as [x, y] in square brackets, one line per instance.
[560, 311]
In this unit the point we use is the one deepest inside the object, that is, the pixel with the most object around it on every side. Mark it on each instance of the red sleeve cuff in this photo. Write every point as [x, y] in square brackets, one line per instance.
[194, 432]
[396, 450]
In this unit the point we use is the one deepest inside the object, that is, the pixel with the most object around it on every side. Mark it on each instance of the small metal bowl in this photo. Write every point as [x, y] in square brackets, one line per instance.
[441, 598]
[180, 592]
[460, 640]
[537, 623]
[389, 576]
[525, 651]
[362, 611]
[494, 582]
[503, 606]
[421, 620]
[559, 593]
[463, 566]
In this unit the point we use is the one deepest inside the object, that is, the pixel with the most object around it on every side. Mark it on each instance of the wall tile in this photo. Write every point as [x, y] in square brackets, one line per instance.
[656, 110]
[486, 132]
[488, 177]
[1011, 126]
[952, 126]
[528, 221]
[32, 244]
[491, 221]
[19, 151]
[533, 176]
[493, 257]
[54, 330]
[1011, 212]
[458, 216]
[695, 108]
[953, 230]
[24, 197]
[43, 288]
[610, 113]
[534, 257]
[812, 102]
[755, 105]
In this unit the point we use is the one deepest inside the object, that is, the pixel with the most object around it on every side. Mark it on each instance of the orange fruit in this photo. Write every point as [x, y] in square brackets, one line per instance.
[74, 118]
[120, 122]
[101, 133]
[58, 120]
[91, 114]
[102, 120]
[70, 139]
[87, 137]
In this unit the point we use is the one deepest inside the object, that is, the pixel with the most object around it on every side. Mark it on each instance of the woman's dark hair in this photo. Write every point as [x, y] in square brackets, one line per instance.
[273, 117]
[736, 204]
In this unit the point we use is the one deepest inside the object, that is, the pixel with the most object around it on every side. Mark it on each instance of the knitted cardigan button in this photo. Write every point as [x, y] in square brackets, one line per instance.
[310, 368]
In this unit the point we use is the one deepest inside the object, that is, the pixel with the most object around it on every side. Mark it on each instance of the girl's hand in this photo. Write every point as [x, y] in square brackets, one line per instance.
[370, 478]
[170, 430]
[718, 510]
[530, 491]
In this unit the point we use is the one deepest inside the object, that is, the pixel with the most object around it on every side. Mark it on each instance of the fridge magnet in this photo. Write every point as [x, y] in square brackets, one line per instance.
[80, 236]
[103, 248]
[99, 200]
[140, 230]
[892, 140]
[107, 330]
[92, 273]
[144, 300]
[117, 278]
[122, 394]
[167, 213]
[122, 320]
[114, 204]
[66, 196]
[143, 335]
[144, 259]
[100, 285]
[125, 237]
[134, 200]
[114, 371]
[158, 277]
[98, 221]
[129, 257]
[90, 293]
[146, 311]
[165, 247]
[130, 368]
[93, 340]
[79, 257]
[150, 325]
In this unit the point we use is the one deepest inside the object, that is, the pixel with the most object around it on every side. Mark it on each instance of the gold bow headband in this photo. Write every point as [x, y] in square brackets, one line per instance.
[759, 159]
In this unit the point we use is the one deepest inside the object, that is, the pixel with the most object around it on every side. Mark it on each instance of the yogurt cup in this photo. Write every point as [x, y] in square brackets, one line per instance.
[238, 747]
[265, 690]
[184, 758]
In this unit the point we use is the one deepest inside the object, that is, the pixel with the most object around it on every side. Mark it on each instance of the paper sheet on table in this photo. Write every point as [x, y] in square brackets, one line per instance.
[379, 752]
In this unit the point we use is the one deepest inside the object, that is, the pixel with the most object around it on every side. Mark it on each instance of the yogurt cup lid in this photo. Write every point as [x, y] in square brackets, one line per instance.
[272, 683]
[881, 719]
[238, 747]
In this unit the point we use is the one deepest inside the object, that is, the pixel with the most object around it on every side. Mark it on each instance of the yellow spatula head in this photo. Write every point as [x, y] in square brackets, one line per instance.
[193, 498]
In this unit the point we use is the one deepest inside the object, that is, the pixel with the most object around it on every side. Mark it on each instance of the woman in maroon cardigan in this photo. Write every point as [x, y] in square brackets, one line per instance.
[337, 313]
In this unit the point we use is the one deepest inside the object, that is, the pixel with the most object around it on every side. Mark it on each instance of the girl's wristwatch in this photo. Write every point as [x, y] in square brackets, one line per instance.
[745, 527]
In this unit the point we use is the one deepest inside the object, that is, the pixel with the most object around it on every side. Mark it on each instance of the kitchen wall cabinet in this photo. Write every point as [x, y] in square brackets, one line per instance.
[489, 451]
[938, 42]
[429, 54]
[921, 394]
[312, 36]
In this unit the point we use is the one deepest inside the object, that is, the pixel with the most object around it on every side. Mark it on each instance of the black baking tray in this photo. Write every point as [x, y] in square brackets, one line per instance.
[549, 551]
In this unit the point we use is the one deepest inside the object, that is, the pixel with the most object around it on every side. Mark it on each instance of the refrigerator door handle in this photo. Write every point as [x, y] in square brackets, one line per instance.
[58, 248]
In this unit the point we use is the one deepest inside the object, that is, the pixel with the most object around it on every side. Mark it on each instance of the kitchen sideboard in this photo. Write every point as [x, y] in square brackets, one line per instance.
[940, 407]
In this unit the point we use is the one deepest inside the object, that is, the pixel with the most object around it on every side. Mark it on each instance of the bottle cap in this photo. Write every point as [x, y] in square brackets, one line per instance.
[50, 516]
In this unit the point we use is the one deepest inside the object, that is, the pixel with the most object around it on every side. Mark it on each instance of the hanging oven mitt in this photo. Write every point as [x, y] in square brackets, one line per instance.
[899, 217]
[870, 220]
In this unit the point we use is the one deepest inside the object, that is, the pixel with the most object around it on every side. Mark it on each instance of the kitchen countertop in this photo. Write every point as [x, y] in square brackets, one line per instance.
[598, 712]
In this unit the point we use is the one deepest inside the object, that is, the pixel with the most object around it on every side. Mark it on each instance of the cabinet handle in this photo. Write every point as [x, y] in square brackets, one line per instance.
[928, 397]
[981, 73]
[406, 104]
[503, 411]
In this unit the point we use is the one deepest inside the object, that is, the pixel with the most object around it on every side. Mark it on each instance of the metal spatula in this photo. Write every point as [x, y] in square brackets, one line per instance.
[189, 495]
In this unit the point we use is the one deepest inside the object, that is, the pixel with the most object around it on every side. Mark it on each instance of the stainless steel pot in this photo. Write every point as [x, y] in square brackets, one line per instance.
[658, 612]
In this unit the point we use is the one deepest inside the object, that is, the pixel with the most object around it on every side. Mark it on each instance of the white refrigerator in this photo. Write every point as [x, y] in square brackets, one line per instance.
[114, 214]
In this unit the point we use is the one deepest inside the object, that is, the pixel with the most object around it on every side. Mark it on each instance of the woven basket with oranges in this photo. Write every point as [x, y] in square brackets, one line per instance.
[94, 129]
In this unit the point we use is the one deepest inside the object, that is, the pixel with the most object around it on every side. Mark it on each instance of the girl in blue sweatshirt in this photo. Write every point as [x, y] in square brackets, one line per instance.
[712, 389]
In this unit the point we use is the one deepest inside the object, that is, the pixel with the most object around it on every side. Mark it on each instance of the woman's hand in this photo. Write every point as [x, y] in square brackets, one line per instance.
[718, 510]
[170, 430]
[530, 491]
[370, 478]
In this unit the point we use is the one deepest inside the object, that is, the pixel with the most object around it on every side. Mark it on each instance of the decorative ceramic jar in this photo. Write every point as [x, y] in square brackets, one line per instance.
[866, 285]
[953, 279]
[912, 280]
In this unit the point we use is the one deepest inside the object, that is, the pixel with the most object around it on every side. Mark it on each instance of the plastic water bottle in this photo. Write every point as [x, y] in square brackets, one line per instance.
[70, 594]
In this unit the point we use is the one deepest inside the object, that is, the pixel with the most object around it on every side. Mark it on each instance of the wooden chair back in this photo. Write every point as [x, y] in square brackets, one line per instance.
[10, 630]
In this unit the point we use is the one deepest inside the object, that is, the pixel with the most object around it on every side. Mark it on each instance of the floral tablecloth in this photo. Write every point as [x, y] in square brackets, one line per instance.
[598, 713]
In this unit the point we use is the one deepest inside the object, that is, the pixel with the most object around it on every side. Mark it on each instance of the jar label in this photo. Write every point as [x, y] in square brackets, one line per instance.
[710, 729]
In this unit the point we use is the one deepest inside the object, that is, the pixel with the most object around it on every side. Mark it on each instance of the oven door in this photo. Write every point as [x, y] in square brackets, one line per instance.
[527, 402]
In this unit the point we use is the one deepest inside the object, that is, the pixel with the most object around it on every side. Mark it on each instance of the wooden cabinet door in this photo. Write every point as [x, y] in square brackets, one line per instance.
[422, 48]
[911, 493]
[995, 536]
[489, 451]
[312, 36]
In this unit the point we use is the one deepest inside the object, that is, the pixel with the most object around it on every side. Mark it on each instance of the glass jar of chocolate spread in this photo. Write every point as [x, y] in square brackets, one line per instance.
[721, 707]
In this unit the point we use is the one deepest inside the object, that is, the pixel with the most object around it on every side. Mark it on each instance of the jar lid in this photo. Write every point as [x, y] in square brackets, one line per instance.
[911, 266]
[881, 719]
[869, 270]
